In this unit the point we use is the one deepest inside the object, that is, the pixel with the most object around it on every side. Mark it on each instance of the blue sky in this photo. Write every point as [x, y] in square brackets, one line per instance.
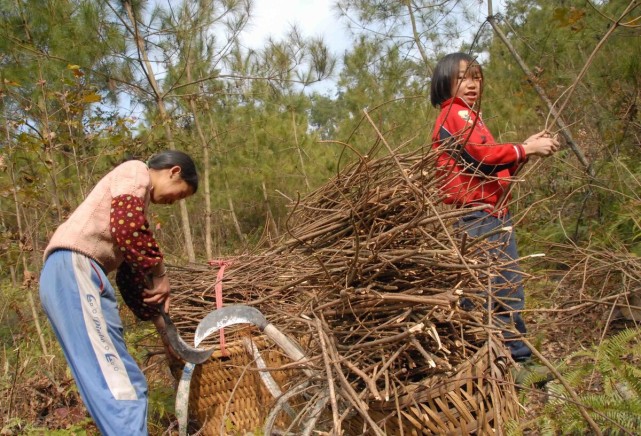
[313, 17]
[317, 18]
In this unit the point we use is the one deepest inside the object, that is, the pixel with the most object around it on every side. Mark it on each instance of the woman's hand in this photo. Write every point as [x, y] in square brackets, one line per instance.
[159, 292]
[541, 144]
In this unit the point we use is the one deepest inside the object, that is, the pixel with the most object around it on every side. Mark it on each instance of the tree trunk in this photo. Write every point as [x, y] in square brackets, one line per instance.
[48, 140]
[270, 223]
[300, 152]
[28, 276]
[417, 37]
[205, 150]
[145, 64]
[233, 213]
[220, 232]
[565, 131]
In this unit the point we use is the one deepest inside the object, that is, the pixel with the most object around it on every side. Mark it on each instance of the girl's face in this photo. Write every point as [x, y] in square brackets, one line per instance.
[467, 85]
[168, 186]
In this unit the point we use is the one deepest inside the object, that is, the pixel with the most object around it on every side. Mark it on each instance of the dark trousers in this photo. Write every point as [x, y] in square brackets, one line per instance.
[507, 284]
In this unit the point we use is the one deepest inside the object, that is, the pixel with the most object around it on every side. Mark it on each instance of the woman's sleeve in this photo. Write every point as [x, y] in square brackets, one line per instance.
[132, 237]
[131, 234]
[132, 284]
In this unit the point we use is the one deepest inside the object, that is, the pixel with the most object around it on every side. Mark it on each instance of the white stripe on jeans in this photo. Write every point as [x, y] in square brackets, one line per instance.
[111, 365]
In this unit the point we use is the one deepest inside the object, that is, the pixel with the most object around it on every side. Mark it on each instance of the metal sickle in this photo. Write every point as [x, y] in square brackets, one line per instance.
[170, 332]
[182, 349]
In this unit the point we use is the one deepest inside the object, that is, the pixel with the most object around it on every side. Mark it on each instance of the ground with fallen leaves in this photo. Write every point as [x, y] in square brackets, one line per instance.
[559, 322]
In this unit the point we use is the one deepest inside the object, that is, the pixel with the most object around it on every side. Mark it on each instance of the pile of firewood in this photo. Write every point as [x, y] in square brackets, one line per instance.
[370, 280]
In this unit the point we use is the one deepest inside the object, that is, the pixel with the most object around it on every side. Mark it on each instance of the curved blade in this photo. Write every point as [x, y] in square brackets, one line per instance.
[182, 349]
[226, 316]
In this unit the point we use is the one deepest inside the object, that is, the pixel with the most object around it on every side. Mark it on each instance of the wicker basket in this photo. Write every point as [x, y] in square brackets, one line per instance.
[227, 396]
[478, 398]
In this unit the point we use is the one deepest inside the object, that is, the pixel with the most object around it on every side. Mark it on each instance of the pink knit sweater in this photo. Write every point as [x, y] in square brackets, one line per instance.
[87, 230]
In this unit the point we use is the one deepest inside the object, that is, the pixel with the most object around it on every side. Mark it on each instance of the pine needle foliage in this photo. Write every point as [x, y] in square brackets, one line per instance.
[607, 379]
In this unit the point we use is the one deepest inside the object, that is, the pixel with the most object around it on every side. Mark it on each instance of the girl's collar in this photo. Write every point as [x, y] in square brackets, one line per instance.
[456, 100]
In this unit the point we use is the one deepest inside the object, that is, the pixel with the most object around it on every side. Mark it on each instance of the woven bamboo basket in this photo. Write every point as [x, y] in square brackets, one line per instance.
[478, 398]
[227, 396]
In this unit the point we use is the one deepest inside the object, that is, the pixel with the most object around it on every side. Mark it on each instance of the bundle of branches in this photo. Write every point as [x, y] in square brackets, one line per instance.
[604, 277]
[370, 280]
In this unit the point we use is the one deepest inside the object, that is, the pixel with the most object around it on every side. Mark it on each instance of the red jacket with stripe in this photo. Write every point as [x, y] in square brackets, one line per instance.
[474, 169]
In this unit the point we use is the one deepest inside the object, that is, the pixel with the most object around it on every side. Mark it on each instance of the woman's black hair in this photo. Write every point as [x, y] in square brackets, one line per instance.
[172, 158]
[446, 71]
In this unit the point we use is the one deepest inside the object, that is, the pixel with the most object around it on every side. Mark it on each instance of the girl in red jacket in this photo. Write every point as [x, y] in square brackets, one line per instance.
[476, 171]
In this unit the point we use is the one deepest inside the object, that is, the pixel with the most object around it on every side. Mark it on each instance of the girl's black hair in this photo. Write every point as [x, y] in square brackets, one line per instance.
[446, 71]
[172, 158]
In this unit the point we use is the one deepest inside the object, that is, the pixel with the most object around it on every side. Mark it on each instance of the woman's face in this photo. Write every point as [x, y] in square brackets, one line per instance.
[467, 85]
[168, 186]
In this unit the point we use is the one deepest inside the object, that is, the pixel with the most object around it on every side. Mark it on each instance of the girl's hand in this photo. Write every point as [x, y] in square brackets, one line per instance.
[159, 292]
[541, 144]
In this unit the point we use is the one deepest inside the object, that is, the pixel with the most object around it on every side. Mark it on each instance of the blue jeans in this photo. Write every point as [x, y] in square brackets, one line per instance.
[508, 283]
[81, 306]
